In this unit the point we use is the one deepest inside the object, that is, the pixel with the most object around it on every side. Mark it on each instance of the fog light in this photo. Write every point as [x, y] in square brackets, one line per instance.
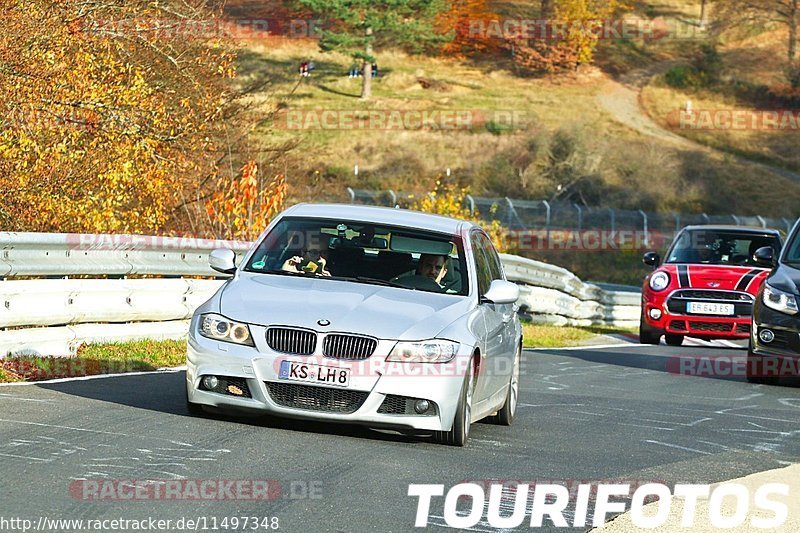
[766, 336]
[655, 314]
[210, 382]
[421, 406]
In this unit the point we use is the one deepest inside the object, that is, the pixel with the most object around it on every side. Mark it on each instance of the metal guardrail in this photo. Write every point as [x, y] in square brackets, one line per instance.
[49, 316]
[70, 254]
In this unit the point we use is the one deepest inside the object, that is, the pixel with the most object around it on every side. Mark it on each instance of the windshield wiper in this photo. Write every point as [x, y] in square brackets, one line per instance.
[280, 272]
[373, 281]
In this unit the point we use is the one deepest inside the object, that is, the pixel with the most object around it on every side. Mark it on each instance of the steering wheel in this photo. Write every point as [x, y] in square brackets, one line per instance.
[420, 282]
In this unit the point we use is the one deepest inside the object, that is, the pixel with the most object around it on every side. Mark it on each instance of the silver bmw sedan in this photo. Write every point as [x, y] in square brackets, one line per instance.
[364, 315]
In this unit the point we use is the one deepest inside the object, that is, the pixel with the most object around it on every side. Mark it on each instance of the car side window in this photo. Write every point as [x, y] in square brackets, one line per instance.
[482, 268]
[495, 267]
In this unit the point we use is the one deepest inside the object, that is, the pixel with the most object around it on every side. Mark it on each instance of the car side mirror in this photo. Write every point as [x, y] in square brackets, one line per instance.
[501, 292]
[651, 259]
[765, 257]
[223, 260]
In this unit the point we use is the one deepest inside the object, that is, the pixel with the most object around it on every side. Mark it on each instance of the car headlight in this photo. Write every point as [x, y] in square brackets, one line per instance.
[219, 328]
[432, 351]
[780, 300]
[659, 281]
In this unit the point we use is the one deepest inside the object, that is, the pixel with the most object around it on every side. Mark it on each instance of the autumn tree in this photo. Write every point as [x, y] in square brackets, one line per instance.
[463, 20]
[360, 27]
[568, 36]
[784, 13]
[242, 208]
[116, 117]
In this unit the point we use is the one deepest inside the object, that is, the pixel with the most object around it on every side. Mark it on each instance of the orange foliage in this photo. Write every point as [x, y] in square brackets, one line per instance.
[242, 208]
[464, 19]
[103, 127]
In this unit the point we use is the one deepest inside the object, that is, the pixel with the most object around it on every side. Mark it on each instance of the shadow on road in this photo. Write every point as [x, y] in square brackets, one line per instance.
[164, 392]
[720, 363]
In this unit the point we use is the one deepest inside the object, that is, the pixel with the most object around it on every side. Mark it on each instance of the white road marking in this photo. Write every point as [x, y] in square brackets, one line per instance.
[668, 445]
[98, 376]
[598, 347]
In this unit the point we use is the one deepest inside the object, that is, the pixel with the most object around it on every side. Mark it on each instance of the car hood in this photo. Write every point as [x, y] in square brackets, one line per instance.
[718, 277]
[382, 312]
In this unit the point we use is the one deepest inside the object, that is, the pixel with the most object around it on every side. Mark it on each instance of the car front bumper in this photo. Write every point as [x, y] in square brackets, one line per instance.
[786, 330]
[700, 326]
[371, 381]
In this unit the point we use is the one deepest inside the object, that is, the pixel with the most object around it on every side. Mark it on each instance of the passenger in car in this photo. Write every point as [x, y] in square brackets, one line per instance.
[313, 259]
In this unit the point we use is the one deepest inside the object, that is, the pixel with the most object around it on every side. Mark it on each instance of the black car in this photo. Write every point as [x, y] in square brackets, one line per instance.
[774, 350]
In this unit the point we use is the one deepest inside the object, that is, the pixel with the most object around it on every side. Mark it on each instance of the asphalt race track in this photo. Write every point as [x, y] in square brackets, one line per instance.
[591, 415]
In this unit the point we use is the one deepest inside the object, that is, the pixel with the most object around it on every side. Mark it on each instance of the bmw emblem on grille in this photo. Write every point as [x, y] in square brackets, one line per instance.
[713, 284]
[324, 322]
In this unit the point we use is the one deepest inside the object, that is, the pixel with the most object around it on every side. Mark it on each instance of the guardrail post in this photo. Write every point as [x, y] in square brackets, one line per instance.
[547, 220]
[394, 197]
[677, 222]
[471, 202]
[580, 216]
[708, 220]
[762, 220]
[352, 194]
[646, 232]
[509, 219]
[788, 225]
[613, 216]
[737, 220]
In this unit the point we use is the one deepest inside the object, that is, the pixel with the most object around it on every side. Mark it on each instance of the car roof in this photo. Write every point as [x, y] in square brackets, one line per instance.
[734, 229]
[382, 216]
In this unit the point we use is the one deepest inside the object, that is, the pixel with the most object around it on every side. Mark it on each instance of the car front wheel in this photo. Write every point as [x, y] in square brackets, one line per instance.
[647, 335]
[505, 416]
[459, 433]
[673, 340]
[193, 408]
[755, 369]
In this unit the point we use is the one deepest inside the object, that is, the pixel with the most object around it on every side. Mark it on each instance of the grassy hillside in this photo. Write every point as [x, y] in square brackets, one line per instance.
[564, 137]
[564, 147]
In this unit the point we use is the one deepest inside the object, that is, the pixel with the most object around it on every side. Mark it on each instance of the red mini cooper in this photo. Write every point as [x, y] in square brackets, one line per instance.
[707, 285]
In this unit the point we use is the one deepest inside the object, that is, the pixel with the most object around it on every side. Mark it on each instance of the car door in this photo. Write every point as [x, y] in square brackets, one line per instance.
[480, 328]
[500, 323]
[493, 354]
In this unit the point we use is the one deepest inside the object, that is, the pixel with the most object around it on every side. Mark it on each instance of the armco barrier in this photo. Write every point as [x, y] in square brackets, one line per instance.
[54, 316]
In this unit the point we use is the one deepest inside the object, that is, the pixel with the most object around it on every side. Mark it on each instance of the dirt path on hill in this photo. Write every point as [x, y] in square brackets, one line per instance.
[621, 99]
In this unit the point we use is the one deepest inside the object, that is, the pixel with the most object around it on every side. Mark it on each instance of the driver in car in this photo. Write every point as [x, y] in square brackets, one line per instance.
[433, 267]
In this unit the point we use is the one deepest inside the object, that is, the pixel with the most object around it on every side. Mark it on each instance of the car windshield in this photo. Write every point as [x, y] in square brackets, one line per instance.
[363, 253]
[720, 247]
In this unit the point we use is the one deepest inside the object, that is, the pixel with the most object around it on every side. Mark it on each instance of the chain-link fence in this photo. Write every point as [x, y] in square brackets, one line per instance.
[559, 233]
[523, 215]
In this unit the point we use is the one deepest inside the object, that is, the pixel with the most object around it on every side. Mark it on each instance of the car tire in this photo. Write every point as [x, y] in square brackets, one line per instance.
[193, 408]
[673, 340]
[647, 335]
[505, 416]
[459, 433]
[753, 376]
